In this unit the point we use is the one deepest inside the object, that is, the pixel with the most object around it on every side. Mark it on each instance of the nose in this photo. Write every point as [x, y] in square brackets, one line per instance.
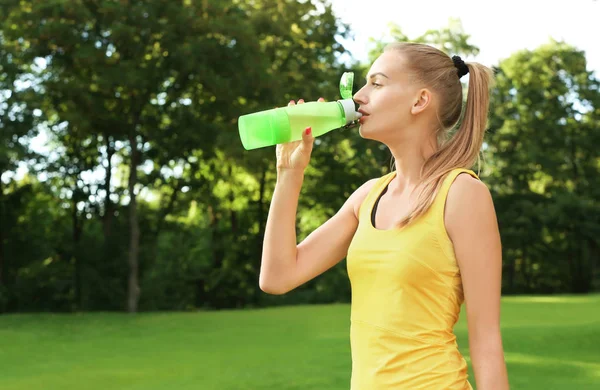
[360, 97]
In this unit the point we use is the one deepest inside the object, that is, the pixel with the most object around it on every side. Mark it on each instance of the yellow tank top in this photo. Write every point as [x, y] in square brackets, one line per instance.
[406, 298]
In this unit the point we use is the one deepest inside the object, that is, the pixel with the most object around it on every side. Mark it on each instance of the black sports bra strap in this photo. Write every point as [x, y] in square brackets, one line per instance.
[376, 204]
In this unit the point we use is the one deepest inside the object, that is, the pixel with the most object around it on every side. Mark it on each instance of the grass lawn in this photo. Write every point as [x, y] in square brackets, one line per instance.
[550, 343]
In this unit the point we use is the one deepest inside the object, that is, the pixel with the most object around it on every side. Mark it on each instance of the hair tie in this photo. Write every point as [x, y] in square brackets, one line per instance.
[462, 68]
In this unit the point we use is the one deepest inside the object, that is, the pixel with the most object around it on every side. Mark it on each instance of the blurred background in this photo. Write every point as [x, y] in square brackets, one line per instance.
[125, 188]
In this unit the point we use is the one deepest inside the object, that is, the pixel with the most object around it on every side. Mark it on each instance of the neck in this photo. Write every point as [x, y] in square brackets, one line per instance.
[409, 158]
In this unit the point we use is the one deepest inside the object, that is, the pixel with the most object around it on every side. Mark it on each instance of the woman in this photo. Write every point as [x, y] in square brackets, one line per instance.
[419, 241]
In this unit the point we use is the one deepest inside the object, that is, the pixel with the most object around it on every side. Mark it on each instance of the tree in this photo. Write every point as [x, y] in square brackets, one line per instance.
[543, 132]
[16, 128]
[131, 73]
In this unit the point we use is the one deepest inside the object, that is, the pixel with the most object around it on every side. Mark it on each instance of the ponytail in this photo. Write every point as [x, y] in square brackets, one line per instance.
[462, 149]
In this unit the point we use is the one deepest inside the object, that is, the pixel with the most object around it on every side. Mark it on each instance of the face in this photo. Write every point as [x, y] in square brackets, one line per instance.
[390, 101]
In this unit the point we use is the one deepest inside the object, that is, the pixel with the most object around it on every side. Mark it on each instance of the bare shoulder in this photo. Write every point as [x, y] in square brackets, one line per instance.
[359, 195]
[465, 184]
[469, 203]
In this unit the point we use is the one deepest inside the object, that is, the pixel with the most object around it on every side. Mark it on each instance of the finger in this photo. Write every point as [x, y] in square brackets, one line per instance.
[307, 139]
[321, 99]
[291, 103]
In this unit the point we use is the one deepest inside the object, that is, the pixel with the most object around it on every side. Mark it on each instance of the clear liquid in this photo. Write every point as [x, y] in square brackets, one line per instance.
[321, 117]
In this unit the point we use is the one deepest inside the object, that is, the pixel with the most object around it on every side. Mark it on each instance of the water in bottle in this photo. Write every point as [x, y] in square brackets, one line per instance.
[286, 124]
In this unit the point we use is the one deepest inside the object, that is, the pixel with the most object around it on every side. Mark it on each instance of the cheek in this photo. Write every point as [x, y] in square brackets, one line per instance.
[391, 110]
[396, 107]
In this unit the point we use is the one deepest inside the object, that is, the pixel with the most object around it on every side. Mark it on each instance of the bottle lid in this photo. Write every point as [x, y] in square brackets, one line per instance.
[350, 112]
[346, 83]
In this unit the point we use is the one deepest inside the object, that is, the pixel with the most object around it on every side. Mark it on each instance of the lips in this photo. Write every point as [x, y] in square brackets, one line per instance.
[364, 115]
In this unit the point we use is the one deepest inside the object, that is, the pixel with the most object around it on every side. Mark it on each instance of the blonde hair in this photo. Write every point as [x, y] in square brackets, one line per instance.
[436, 70]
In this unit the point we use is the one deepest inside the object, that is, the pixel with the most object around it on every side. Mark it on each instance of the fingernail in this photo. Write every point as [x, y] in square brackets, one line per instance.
[308, 130]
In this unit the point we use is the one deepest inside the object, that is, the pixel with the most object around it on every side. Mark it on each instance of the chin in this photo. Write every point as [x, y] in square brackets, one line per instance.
[361, 131]
[364, 133]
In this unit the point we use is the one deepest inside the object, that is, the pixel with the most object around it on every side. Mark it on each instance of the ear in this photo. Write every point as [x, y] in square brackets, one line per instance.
[422, 101]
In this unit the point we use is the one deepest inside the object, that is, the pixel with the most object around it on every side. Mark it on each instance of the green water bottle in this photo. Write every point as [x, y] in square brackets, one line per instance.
[285, 124]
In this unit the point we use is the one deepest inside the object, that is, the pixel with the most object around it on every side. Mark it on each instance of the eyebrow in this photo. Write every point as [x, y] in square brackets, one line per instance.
[376, 74]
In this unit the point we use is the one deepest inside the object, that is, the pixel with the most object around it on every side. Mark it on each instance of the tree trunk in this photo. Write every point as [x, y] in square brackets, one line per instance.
[133, 289]
[76, 237]
[107, 218]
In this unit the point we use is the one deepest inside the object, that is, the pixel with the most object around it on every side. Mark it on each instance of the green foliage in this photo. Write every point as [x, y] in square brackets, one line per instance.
[154, 87]
[543, 168]
[141, 98]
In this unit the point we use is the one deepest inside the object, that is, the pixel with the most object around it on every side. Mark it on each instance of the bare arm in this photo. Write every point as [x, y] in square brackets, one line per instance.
[279, 245]
[286, 265]
[473, 228]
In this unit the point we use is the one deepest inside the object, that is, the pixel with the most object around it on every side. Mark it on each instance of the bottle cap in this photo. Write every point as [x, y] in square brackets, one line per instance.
[350, 112]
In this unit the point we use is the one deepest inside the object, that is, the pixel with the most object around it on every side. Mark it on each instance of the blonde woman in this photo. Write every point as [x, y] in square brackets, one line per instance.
[419, 241]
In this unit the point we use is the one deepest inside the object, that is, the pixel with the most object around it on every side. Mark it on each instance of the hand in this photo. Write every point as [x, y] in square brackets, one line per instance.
[295, 155]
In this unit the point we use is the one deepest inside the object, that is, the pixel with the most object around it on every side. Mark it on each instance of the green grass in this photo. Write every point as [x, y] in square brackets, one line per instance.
[550, 343]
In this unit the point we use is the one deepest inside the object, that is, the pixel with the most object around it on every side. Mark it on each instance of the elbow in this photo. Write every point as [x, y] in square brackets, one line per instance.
[271, 288]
